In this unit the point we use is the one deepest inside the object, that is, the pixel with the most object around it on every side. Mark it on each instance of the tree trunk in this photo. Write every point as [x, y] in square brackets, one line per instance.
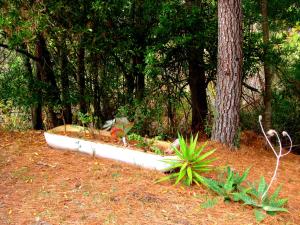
[230, 59]
[267, 119]
[45, 70]
[96, 89]
[81, 79]
[36, 107]
[138, 63]
[198, 90]
[65, 70]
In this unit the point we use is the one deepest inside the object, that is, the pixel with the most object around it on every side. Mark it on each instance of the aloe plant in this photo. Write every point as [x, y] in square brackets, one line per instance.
[257, 198]
[191, 163]
[229, 186]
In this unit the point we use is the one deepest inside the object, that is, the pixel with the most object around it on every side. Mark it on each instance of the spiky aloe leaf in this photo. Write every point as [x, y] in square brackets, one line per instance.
[190, 175]
[274, 196]
[228, 186]
[182, 173]
[205, 155]
[183, 146]
[247, 199]
[169, 177]
[259, 215]
[278, 202]
[209, 203]
[198, 177]
[274, 209]
[199, 150]
[240, 179]
[193, 144]
[213, 185]
[262, 186]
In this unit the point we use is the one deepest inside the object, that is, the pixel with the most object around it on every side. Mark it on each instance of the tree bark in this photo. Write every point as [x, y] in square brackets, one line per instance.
[45, 70]
[230, 59]
[81, 79]
[267, 119]
[36, 107]
[138, 63]
[198, 90]
[64, 78]
[96, 89]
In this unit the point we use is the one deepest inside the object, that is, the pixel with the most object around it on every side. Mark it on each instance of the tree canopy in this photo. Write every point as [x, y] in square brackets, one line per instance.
[152, 61]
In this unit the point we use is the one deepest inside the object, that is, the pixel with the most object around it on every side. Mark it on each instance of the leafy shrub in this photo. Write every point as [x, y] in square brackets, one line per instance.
[144, 143]
[190, 164]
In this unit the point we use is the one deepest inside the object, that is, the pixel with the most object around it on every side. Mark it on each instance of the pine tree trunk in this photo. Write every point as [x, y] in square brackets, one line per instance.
[267, 119]
[229, 73]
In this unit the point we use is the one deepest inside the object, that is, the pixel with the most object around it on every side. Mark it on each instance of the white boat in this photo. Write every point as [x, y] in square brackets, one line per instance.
[127, 155]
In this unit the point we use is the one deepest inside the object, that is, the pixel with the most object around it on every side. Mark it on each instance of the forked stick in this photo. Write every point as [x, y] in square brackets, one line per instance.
[277, 154]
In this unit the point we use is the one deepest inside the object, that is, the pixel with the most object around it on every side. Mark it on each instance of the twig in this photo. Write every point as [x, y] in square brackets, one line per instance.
[278, 155]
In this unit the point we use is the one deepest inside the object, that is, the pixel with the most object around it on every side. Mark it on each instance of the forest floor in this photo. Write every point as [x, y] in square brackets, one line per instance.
[41, 185]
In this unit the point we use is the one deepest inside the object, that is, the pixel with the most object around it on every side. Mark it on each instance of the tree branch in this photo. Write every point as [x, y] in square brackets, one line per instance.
[22, 51]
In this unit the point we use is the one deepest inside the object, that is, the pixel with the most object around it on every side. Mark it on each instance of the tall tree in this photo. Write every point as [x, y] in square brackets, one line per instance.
[230, 59]
[268, 75]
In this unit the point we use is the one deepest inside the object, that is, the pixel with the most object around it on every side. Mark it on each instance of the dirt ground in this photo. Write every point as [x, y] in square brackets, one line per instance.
[41, 185]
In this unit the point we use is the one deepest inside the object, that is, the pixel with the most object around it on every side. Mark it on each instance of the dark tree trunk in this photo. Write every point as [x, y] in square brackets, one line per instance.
[45, 70]
[267, 119]
[230, 59]
[81, 79]
[197, 83]
[129, 80]
[138, 63]
[96, 88]
[65, 70]
[36, 107]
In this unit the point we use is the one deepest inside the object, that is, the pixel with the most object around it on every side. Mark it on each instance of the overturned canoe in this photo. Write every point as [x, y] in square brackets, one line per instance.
[127, 155]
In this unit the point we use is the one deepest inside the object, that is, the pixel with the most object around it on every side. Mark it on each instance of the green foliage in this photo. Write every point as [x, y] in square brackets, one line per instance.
[271, 204]
[285, 111]
[85, 118]
[191, 163]
[209, 203]
[13, 118]
[228, 186]
[147, 145]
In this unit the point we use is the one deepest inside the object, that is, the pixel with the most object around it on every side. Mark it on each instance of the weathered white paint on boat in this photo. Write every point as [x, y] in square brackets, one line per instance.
[145, 160]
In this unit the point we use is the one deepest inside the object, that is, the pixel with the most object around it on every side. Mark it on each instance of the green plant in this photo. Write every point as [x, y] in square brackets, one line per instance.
[85, 118]
[190, 163]
[229, 186]
[257, 198]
